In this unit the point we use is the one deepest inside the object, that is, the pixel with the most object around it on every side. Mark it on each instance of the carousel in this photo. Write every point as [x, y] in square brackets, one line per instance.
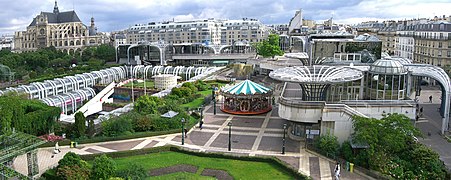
[246, 98]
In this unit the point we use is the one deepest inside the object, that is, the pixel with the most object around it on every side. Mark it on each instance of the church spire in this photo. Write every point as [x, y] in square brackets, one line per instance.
[55, 9]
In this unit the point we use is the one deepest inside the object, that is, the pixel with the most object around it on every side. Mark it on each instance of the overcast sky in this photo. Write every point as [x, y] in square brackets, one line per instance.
[113, 15]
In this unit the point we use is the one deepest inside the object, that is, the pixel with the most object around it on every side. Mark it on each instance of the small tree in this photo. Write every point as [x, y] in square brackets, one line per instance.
[72, 167]
[80, 124]
[328, 144]
[269, 47]
[103, 167]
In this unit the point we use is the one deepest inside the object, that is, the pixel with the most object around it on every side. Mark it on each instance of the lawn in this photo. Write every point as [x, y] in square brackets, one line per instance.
[236, 168]
[149, 84]
[199, 101]
[182, 175]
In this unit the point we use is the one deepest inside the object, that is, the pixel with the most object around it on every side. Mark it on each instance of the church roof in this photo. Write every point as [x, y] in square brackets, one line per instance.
[247, 87]
[62, 17]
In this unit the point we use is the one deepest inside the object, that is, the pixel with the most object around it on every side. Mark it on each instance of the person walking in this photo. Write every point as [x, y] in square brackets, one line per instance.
[57, 147]
[186, 132]
[200, 124]
[430, 99]
[421, 112]
[337, 171]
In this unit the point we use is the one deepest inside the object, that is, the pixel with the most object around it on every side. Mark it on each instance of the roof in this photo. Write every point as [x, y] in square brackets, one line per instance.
[387, 66]
[62, 17]
[170, 114]
[317, 74]
[247, 87]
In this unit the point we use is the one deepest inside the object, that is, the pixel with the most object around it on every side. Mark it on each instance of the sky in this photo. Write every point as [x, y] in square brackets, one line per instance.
[113, 15]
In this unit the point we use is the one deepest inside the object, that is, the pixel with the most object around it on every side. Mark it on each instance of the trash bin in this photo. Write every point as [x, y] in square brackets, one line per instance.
[72, 144]
[351, 167]
[76, 144]
[347, 166]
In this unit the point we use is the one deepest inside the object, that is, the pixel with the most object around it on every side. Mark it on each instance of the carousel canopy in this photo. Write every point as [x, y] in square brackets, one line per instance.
[247, 87]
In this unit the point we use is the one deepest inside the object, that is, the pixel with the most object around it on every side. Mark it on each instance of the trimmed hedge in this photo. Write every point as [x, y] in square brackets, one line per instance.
[271, 160]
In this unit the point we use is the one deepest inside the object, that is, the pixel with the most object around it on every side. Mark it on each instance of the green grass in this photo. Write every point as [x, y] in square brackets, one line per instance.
[149, 84]
[182, 175]
[236, 168]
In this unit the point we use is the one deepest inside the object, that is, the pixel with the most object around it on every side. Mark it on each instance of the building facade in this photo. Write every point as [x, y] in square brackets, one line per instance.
[433, 43]
[208, 31]
[63, 30]
[7, 42]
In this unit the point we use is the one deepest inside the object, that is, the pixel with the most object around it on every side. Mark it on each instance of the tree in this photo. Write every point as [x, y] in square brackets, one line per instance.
[103, 167]
[80, 124]
[72, 167]
[269, 47]
[106, 53]
[147, 104]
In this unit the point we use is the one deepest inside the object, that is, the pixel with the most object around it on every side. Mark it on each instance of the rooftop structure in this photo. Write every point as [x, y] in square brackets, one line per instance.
[247, 98]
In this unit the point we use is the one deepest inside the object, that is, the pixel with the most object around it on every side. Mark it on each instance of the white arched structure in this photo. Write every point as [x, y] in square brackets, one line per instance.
[439, 75]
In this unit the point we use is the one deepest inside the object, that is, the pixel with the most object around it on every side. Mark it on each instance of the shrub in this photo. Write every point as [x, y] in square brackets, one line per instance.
[80, 123]
[133, 172]
[117, 126]
[346, 151]
[142, 123]
[103, 167]
[328, 144]
[72, 167]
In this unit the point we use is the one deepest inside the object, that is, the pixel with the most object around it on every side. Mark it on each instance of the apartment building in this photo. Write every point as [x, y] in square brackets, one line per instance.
[207, 31]
[432, 43]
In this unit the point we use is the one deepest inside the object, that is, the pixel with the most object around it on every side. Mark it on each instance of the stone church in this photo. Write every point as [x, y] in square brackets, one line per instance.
[63, 30]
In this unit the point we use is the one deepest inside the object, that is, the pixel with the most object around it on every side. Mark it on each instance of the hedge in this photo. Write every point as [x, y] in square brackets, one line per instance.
[271, 160]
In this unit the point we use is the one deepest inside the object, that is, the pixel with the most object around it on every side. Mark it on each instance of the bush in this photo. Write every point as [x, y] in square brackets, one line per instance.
[142, 123]
[328, 145]
[133, 172]
[103, 167]
[72, 167]
[117, 126]
[346, 151]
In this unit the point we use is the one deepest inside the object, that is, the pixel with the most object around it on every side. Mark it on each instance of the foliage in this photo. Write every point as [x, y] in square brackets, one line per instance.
[133, 171]
[103, 167]
[142, 123]
[73, 172]
[147, 104]
[72, 167]
[392, 149]
[346, 151]
[117, 126]
[327, 144]
[28, 116]
[48, 63]
[269, 47]
[80, 124]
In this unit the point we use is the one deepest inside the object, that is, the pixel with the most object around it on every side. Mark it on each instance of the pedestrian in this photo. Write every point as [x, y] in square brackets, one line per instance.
[430, 99]
[421, 111]
[186, 132]
[337, 171]
[200, 124]
[57, 148]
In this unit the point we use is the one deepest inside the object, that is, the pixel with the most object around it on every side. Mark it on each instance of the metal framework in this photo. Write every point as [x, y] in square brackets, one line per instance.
[16, 144]
[317, 74]
[5, 72]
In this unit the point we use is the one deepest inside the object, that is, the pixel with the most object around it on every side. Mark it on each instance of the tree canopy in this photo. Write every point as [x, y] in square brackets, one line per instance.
[269, 47]
[393, 150]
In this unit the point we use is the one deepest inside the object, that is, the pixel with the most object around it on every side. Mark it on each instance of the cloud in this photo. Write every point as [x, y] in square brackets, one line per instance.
[113, 15]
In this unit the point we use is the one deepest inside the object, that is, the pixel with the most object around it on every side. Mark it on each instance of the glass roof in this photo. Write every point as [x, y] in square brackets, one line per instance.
[387, 66]
[317, 74]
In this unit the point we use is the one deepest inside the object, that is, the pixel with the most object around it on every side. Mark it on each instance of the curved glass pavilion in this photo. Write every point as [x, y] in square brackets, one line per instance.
[323, 98]
[247, 98]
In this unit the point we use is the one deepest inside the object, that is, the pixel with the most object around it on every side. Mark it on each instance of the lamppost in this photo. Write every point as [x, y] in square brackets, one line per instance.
[283, 140]
[230, 135]
[183, 131]
[213, 90]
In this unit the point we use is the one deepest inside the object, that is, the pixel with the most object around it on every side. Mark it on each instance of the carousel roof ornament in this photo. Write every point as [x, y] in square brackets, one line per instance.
[247, 87]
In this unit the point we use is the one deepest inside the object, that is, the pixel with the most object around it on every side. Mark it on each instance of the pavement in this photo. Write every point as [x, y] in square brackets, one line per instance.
[251, 135]
[431, 122]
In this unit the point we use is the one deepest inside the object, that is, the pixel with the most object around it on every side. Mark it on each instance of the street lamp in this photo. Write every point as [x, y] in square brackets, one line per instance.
[213, 90]
[183, 131]
[283, 140]
[230, 135]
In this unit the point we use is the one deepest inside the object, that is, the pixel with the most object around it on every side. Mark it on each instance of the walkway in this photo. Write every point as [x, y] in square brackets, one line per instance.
[251, 135]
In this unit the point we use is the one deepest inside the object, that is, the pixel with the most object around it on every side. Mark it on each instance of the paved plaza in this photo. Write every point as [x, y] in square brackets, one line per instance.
[251, 135]
[431, 122]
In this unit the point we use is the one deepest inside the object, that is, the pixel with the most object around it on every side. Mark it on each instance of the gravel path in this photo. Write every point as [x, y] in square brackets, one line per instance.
[173, 169]
[218, 174]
